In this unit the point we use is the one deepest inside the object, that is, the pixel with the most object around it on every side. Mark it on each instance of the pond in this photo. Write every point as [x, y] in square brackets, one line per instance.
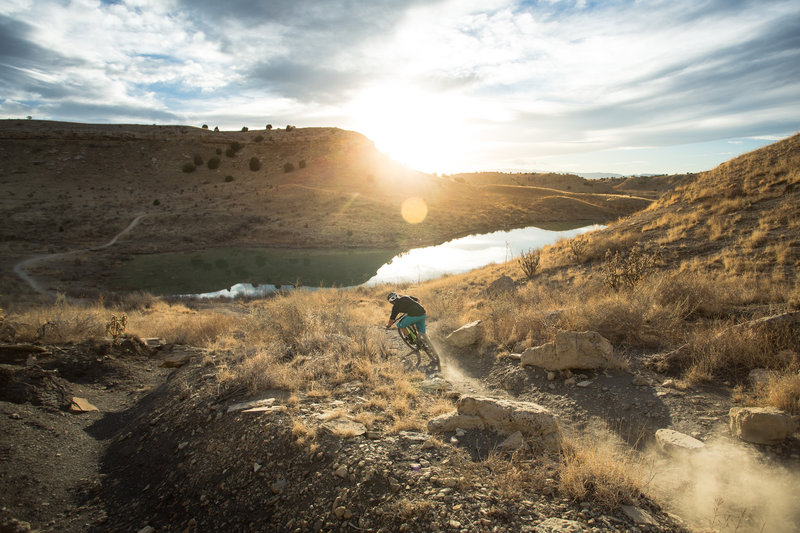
[259, 271]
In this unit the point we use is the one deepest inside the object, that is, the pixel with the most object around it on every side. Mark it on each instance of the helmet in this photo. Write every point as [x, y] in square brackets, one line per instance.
[392, 297]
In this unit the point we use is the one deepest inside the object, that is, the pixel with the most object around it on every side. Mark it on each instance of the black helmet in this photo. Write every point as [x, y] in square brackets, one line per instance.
[392, 297]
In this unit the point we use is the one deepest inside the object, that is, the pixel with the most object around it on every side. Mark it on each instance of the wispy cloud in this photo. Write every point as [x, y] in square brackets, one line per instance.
[473, 84]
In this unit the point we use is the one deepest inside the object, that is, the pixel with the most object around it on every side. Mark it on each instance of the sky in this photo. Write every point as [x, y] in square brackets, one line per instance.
[618, 86]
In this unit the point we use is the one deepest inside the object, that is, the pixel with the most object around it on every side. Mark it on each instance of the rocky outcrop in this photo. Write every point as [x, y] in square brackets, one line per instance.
[761, 425]
[537, 425]
[571, 350]
[466, 335]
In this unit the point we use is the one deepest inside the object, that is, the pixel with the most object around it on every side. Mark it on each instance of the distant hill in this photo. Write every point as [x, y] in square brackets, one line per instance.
[646, 186]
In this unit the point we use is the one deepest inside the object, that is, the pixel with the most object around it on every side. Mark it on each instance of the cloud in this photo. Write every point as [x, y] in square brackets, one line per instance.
[529, 77]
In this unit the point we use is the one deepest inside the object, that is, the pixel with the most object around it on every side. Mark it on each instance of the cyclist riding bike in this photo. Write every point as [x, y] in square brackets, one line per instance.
[415, 313]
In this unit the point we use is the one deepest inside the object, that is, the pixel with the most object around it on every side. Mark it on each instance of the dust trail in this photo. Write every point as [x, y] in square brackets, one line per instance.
[728, 486]
[454, 373]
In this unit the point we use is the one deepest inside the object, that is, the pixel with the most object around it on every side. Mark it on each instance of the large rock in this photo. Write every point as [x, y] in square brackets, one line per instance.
[571, 350]
[534, 422]
[762, 425]
[502, 285]
[466, 335]
[674, 442]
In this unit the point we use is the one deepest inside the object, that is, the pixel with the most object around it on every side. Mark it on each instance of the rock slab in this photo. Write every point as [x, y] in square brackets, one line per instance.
[674, 442]
[537, 425]
[466, 335]
[761, 425]
[583, 350]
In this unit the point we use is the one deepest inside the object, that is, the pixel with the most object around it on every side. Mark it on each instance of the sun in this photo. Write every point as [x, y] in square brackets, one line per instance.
[419, 129]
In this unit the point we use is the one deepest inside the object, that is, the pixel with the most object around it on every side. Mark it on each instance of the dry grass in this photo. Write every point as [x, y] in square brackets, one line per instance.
[515, 475]
[600, 469]
[781, 390]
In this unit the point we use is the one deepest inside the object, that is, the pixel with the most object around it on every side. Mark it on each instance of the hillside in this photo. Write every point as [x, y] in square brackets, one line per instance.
[73, 186]
[300, 412]
[651, 187]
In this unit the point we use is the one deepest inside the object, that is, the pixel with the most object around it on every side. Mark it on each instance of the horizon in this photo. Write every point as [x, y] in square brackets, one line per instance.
[442, 87]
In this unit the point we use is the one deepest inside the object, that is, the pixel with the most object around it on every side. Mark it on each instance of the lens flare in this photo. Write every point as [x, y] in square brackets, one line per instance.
[414, 210]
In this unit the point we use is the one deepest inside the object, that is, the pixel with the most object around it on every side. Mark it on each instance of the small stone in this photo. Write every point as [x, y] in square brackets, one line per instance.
[584, 384]
[551, 376]
[569, 382]
[341, 472]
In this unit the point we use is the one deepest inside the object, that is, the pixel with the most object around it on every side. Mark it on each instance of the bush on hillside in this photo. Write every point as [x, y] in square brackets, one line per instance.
[255, 164]
[288, 167]
[205, 126]
[213, 163]
[626, 271]
[302, 163]
[245, 128]
[529, 263]
[216, 128]
[198, 160]
[188, 167]
[577, 248]
[228, 179]
[269, 126]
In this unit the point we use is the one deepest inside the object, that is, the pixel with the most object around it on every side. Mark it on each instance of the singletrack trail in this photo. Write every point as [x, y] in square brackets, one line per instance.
[21, 268]
[451, 371]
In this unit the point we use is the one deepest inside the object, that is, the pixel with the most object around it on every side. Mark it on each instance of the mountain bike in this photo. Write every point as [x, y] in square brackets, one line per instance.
[417, 343]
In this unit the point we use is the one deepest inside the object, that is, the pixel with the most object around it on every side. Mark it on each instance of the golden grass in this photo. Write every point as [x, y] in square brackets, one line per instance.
[602, 470]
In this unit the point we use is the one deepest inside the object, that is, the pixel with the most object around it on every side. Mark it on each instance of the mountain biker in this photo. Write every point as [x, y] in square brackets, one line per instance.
[415, 313]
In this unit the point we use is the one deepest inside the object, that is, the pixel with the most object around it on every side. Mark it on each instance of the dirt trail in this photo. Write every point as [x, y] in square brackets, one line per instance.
[21, 268]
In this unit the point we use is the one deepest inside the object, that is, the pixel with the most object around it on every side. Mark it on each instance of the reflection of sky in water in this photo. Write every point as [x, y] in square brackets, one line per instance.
[467, 253]
[452, 257]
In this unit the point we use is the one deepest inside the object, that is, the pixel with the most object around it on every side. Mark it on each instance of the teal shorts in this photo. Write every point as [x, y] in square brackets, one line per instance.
[408, 320]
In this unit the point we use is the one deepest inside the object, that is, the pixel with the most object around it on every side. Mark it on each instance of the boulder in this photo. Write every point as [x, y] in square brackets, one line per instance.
[502, 285]
[761, 425]
[534, 422]
[570, 350]
[466, 335]
[674, 442]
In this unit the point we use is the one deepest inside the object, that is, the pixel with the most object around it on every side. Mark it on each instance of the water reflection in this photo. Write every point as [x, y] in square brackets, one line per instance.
[259, 272]
[468, 253]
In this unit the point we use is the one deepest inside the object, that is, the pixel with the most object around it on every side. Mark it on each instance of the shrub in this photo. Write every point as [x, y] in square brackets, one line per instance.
[255, 164]
[269, 126]
[216, 128]
[529, 263]
[188, 167]
[219, 151]
[577, 248]
[205, 126]
[213, 163]
[228, 179]
[245, 128]
[289, 127]
[233, 149]
[198, 160]
[627, 270]
[156, 202]
[302, 163]
[288, 167]
[115, 328]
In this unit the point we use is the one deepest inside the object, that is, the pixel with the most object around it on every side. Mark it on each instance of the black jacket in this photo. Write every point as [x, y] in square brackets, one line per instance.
[408, 305]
